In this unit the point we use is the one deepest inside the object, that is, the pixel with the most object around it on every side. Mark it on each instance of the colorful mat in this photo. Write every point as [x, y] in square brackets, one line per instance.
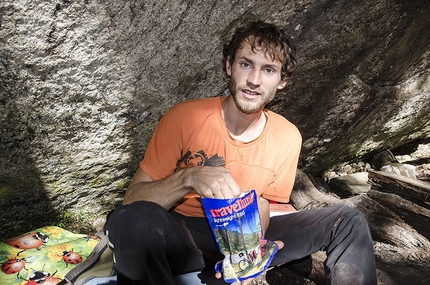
[43, 256]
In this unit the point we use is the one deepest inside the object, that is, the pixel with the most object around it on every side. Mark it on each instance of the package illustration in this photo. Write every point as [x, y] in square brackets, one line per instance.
[236, 226]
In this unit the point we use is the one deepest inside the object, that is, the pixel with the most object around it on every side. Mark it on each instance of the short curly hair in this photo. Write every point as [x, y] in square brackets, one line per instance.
[274, 40]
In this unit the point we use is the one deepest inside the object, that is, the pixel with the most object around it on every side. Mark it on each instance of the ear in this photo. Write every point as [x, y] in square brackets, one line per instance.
[228, 66]
[282, 84]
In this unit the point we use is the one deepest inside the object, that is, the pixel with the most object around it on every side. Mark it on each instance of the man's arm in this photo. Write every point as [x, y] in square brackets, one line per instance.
[205, 180]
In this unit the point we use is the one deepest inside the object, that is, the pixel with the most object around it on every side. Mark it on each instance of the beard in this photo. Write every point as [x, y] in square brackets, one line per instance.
[246, 105]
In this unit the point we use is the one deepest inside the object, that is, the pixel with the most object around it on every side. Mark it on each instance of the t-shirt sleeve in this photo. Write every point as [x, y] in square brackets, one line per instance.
[281, 187]
[164, 149]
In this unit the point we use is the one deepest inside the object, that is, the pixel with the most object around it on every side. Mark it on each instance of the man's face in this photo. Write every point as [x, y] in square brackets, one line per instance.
[255, 78]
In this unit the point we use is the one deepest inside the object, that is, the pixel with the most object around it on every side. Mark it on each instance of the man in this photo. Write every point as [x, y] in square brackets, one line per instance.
[220, 147]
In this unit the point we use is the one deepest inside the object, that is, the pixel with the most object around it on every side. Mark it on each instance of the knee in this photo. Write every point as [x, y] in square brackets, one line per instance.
[140, 210]
[353, 216]
[355, 213]
[138, 218]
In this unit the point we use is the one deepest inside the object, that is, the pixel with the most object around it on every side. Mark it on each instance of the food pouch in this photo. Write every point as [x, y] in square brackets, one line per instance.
[236, 226]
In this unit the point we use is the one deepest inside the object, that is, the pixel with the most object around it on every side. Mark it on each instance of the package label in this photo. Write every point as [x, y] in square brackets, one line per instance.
[236, 226]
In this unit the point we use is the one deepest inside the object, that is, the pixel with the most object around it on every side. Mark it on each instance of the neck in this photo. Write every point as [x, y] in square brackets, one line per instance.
[242, 126]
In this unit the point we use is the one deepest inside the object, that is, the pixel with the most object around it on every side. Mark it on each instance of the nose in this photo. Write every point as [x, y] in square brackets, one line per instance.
[254, 78]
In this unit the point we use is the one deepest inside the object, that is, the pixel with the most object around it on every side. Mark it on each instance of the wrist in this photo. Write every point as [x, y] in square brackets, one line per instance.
[186, 178]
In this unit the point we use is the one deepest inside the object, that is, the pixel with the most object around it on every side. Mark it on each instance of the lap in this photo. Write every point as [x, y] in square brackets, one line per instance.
[156, 234]
[305, 232]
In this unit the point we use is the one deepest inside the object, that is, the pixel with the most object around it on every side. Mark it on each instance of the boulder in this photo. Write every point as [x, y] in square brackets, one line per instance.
[83, 85]
[351, 184]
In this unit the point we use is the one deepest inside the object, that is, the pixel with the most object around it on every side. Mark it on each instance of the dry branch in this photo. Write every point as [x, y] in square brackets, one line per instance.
[403, 186]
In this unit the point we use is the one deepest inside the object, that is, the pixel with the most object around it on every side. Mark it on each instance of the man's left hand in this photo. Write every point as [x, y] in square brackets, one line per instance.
[248, 281]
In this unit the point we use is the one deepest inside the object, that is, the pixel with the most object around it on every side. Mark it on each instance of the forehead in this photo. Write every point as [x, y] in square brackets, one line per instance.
[253, 52]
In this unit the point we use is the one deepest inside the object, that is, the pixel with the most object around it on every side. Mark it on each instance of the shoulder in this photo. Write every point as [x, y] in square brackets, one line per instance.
[192, 112]
[197, 105]
[279, 122]
[283, 128]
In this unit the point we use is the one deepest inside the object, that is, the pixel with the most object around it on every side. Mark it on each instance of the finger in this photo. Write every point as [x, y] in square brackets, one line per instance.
[218, 275]
[227, 192]
[234, 188]
[225, 186]
[279, 243]
[228, 186]
[219, 192]
[247, 281]
[207, 193]
[215, 182]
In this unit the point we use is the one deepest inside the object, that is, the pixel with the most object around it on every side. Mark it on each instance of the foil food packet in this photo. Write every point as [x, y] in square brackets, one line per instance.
[237, 228]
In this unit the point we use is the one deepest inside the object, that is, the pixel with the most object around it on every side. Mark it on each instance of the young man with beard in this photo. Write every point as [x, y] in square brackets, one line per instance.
[220, 147]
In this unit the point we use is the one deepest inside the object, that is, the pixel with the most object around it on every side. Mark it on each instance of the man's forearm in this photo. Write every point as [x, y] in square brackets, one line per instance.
[165, 192]
[207, 181]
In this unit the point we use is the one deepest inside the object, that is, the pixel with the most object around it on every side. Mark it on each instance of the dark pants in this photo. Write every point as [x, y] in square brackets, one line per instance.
[151, 245]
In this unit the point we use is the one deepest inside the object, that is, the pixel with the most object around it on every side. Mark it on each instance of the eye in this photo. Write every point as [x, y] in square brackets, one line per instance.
[269, 70]
[245, 64]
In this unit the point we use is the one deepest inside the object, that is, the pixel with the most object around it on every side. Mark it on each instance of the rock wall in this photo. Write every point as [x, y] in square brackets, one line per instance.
[364, 81]
[83, 84]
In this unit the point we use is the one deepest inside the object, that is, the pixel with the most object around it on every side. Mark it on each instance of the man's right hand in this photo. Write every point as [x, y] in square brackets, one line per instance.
[207, 181]
[212, 182]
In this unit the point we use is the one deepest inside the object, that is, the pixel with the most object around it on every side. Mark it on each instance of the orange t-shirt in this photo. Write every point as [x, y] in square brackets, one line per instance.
[194, 133]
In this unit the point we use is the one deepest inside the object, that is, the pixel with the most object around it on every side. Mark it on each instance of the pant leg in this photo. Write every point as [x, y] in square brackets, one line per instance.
[150, 246]
[203, 237]
[341, 231]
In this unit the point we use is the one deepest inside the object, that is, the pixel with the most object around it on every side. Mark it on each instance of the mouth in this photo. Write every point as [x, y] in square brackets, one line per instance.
[249, 94]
